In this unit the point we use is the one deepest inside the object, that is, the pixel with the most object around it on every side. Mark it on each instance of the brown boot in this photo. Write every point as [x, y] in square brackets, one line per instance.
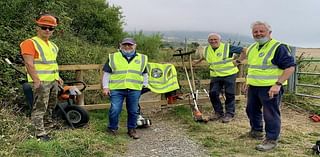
[133, 134]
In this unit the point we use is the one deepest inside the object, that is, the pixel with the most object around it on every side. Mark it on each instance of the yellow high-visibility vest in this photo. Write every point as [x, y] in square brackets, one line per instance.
[162, 77]
[219, 62]
[261, 71]
[127, 75]
[46, 65]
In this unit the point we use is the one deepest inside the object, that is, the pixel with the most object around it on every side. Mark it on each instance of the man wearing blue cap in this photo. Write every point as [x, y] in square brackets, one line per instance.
[124, 76]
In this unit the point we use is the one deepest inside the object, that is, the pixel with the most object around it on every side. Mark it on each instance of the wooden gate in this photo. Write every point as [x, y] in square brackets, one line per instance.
[81, 72]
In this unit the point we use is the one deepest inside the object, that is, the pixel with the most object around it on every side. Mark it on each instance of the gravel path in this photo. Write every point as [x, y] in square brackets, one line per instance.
[164, 139]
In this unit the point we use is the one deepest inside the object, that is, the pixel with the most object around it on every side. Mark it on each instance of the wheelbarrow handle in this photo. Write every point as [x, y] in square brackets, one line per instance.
[71, 83]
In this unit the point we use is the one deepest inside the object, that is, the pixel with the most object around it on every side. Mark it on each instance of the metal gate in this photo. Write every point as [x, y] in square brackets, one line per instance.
[294, 84]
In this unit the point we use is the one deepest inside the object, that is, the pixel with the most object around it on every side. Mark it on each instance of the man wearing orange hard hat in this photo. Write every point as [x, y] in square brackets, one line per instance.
[39, 55]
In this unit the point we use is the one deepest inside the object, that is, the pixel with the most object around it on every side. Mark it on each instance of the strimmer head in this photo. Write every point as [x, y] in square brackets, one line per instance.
[198, 117]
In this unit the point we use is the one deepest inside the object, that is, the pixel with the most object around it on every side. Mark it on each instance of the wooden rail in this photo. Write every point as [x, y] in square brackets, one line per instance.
[81, 73]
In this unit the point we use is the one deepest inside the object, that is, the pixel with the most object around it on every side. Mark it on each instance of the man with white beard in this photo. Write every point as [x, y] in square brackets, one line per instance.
[270, 64]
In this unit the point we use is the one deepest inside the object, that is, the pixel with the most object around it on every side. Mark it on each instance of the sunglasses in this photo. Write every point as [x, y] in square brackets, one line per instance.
[126, 44]
[45, 28]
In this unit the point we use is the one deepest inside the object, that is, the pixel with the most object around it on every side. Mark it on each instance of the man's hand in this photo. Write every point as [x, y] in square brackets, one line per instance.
[236, 62]
[244, 89]
[195, 62]
[36, 84]
[274, 90]
[60, 81]
[106, 91]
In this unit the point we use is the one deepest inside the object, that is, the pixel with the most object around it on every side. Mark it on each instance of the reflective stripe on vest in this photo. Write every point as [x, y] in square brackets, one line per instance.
[46, 66]
[219, 62]
[162, 77]
[127, 75]
[261, 71]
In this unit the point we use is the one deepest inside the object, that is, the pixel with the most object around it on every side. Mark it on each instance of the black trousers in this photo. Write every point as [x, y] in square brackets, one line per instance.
[217, 84]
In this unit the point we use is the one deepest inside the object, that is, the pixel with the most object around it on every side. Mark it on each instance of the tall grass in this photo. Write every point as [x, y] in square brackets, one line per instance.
[16, 138]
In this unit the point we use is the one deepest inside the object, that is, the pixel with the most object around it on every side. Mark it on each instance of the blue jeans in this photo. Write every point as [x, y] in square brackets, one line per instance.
[216, 85]
[132, 99]
[258, 98]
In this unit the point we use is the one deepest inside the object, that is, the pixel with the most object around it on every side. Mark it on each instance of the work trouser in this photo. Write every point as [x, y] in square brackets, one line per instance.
[45, 100]
[216, 86]
[132, 99]
[257, 99]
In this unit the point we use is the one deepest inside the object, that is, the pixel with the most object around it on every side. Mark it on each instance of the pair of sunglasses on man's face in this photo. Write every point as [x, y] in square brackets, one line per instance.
[127, 44]
[45, 28]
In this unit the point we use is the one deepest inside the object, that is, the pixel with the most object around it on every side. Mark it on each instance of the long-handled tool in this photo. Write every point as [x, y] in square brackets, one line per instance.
[197, 115]
[191, 71]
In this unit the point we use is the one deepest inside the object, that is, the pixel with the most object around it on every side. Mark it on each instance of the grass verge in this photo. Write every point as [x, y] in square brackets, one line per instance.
[297, 136]
[16, 139]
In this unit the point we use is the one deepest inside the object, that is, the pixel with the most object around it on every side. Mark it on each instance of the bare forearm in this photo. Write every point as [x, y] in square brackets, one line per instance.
[243, 54]
[30, 68]
[198, 61]
[32, 72]
[286, 74]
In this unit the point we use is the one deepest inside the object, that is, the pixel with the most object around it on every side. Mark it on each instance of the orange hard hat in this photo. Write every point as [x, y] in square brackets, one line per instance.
[48, 20]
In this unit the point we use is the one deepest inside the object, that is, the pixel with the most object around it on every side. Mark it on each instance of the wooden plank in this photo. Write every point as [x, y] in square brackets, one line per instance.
[80, 67]
[79, 77]
[155, 103]
[182, 83]
[107, 105]
[207, 81]
[99, 66]
[94, 87]
[144, 104]
[206, 99]
[179, 65]
[90, 87]
[203, 63]
[95, 106]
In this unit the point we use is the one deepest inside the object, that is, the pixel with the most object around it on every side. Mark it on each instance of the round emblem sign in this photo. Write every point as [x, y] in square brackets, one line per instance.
[137, 61]
[261, 54]
[156, 73]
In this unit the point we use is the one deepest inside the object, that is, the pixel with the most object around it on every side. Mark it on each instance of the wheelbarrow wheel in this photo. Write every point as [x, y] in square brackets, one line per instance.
[77, 115]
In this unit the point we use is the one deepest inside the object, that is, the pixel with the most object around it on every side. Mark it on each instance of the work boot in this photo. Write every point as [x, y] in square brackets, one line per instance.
[44, 138]
[133, 134]
[256, 134]
[267, 145]
[215, 116]
[227, 118]
[111, 132]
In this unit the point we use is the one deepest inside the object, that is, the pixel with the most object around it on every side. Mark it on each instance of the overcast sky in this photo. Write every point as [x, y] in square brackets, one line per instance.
[296, 22]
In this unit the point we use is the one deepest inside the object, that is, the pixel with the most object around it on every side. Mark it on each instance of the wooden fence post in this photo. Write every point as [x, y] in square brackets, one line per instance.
[239, 75]
[79, 77]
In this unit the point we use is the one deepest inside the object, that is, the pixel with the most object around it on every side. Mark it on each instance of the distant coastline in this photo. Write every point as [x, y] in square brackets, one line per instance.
[199, 36]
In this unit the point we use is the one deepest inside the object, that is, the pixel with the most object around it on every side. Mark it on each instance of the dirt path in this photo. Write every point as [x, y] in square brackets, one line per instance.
[164, 139]
[169, 138]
